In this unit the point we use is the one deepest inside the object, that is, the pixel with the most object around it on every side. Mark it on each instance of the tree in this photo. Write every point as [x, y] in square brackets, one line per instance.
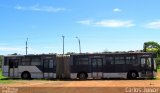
[154, 47]
[14, 54]
[151, 46]
[68, 53]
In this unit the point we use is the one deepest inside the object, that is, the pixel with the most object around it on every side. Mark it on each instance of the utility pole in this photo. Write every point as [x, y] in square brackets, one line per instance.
[62, 69]
[26, 46]
[79, 42]
[63, 44]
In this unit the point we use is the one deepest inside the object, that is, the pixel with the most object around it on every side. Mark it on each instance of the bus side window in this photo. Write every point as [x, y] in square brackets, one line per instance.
[13, 63]
[6, 61]
[148, 60]
[51, 63]
[134, 59]
[25, 62]
[10, 63]
[128, 60]
[109, 60]
[45, 63]
[119, 60]
[75, 61]
[143, 62]
[131, 60]
[81, 61]
[36, 61]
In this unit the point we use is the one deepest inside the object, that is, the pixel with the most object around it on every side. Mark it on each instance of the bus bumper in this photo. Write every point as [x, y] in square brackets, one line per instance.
[154, 74]
[148, 74]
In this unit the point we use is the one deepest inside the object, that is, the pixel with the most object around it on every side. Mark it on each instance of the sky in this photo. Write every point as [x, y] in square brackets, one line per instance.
[100, 25]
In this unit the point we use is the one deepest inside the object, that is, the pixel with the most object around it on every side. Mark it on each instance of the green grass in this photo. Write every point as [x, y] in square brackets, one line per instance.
[3, 80]
[1, 77]
[158, 78]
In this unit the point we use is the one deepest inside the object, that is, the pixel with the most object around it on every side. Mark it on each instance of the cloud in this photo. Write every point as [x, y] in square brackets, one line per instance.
[115, 23]
[153, 25]
[40, 8]
[85, 22]
[117, 10]
[108, 23]
[10, 49]
[6, 49]
[18, 49]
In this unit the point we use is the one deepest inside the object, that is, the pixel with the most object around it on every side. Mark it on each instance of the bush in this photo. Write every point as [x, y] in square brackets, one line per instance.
[158, 62]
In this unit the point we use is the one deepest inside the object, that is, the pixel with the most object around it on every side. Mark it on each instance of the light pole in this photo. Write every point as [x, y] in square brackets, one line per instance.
[62, 69]
[63, 44]
[79, 42]
[26, 46]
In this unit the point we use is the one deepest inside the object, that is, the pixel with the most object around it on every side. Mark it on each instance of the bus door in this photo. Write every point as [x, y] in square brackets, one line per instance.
[97, 68]
[48, 68]
[13, 67]
[146, 66]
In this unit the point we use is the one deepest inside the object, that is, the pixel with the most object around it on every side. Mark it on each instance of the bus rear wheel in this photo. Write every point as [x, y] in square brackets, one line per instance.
[82, 76]
[132, 75]
[26, 75]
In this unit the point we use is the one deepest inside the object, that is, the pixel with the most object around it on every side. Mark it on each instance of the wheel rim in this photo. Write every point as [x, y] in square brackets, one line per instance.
[82, 76]
[133, 75]
[25, 75]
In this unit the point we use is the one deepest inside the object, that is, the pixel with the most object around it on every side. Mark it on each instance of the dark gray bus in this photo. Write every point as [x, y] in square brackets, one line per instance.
[129, 65]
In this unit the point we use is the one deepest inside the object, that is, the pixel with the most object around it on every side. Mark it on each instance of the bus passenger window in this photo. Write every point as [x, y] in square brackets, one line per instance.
[128, 60]
[142, 62]
[119, 60]
[109, 60]
[131, 60]
[81, 61]
[25, 62]
[36, 61]
[148, 60]
[46, 64]
[50, 63]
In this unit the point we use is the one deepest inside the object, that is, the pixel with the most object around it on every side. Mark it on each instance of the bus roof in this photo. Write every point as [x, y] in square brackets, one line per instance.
[112, 53]
[30, 55]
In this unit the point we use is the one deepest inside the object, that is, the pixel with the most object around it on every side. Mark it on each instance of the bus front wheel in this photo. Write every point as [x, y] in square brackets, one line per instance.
[132, 75]
[25, 75]
[82, 76]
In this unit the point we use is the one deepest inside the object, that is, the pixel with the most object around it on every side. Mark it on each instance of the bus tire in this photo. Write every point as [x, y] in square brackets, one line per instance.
[26, 75]
[132, 75]
[82, 76]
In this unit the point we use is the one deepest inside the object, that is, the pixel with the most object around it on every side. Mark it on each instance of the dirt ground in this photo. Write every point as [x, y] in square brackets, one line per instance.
[87, 83]
[76, 86]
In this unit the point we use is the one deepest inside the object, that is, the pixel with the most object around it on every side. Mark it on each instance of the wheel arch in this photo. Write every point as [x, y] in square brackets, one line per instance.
[27, 73]
[81, 73]
[131, 71]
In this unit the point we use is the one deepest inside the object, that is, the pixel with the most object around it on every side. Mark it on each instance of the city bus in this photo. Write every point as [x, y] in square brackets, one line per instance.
[130, 65]
[29, 66]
